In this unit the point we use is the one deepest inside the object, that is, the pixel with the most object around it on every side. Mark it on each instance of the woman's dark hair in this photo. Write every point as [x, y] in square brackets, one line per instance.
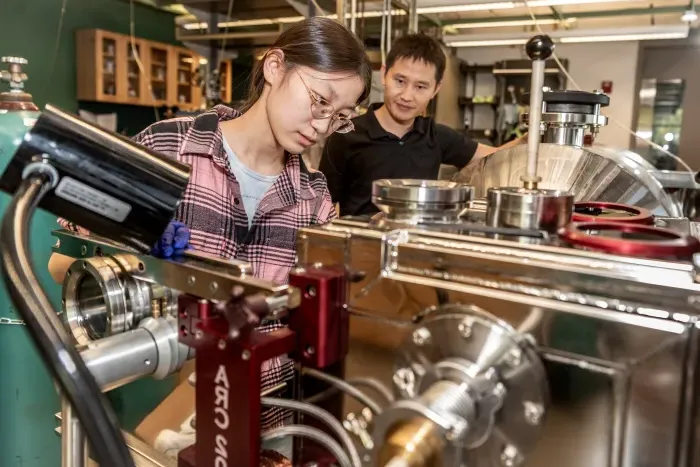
[318, 43]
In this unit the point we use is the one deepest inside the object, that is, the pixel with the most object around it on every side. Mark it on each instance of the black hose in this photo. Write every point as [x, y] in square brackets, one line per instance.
[47, 332]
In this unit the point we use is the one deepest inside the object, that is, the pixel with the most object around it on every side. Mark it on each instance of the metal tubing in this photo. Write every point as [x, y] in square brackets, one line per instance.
[122, 358]
[47, 331]
[353, 16]
[621, 403]
[340, 10]
[389, 16]
[344, 386]
[413, 17]
[533, 136]
[73, 445]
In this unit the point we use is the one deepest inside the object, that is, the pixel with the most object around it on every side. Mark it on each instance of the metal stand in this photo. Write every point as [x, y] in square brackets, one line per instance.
[73, 443]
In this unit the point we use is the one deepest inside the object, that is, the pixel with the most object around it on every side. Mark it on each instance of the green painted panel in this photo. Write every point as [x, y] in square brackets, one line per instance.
[28, 28]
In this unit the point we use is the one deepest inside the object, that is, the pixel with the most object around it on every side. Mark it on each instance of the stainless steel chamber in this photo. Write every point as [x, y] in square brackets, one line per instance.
[618, 335]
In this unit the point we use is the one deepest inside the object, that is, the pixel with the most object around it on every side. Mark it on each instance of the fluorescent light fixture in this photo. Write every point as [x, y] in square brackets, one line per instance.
[505, 24]
[573, 36]
[521, 71]
[690, 16]
[469, 7]
[625, 37]
[487, 43]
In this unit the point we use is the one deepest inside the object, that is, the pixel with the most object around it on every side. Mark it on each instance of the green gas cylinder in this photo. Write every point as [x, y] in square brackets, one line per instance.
[28, 396]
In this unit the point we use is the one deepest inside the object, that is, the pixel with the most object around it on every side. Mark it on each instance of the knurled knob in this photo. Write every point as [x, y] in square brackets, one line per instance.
[14, 60]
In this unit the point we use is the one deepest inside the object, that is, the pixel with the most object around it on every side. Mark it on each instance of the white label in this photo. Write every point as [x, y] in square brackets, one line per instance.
[221, 416]
[92, 199]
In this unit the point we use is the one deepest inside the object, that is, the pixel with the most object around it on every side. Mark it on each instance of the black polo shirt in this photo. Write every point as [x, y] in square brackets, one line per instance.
[352, 161]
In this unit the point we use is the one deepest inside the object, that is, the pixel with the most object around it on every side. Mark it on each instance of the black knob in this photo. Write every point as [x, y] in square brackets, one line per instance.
[539, 47]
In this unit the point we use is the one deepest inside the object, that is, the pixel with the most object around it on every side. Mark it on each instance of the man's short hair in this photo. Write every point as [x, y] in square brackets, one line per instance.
[418, 47]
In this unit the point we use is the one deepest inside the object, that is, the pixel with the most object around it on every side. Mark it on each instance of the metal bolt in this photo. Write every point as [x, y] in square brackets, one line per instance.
[191, 280]
[405, 380]
[311, 291]
[510, 457]
[222, 344]
[213, 286]
[245, 355]
[533, 413]
[514, 358]
[310, 350]
[83, 250]
[198, 335]
[465, 328]
[421, 336]
[499, 390]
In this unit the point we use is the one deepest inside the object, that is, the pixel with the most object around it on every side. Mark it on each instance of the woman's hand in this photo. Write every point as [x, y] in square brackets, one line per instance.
[174, 241]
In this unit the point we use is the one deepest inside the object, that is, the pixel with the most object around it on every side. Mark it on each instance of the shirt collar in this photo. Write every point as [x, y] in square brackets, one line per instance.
[375, 129]
[204, 139]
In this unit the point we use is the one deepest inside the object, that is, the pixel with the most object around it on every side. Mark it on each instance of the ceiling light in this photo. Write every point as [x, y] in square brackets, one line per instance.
[193, 26]
[504, 24]
[625, 37]
[260, 22]
[487, 43]
[689, 16]
[572, 36]
[470, 7]
[540, 3]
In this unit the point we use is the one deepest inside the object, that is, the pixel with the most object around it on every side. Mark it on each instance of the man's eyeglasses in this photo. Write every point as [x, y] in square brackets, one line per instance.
[321, 109]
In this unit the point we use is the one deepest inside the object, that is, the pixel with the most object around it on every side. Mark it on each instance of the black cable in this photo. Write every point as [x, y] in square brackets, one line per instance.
[47, 332]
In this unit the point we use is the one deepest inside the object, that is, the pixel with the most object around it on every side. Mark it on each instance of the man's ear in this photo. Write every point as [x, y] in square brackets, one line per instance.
[382, 72]
[273, 67]
[437, 89]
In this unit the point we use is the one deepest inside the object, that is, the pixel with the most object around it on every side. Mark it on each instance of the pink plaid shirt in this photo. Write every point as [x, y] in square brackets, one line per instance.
[213, 210]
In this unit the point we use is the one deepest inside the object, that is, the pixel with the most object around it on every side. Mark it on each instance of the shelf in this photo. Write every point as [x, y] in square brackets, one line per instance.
[468, 102]
[108, 71]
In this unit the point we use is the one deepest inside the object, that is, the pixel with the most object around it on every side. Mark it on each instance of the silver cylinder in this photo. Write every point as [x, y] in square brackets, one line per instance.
[421, 201]
[547, 210]
[101, 298]
[73, 441]
[533, 139]
[152, 349]
[564, 135]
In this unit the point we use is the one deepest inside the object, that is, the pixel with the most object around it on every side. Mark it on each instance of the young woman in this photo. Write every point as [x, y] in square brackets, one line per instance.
[250, 191]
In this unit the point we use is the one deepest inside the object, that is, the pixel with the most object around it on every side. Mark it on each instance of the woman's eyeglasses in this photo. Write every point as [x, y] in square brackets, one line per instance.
[321, 109]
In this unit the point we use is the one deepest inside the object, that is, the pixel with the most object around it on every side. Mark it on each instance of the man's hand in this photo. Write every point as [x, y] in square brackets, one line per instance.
[174, 241]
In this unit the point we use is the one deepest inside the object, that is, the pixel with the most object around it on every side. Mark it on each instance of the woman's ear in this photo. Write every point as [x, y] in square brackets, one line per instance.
[273, 67]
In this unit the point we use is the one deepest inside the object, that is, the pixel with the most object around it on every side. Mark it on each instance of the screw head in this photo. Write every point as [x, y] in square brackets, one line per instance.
[405, 380]
[421, 336]
[465, 328]
[510, 457]
[533, 413]
[514, 358]
[245, 355]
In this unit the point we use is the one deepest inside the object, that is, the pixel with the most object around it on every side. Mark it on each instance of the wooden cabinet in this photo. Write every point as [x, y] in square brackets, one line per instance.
[225, 81]
[118, 69]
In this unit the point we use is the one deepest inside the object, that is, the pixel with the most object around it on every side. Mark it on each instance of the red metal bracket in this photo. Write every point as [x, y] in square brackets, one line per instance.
[321, 321]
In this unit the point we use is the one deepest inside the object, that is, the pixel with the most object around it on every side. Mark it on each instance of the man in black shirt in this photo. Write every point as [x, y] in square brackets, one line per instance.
[393, 140]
